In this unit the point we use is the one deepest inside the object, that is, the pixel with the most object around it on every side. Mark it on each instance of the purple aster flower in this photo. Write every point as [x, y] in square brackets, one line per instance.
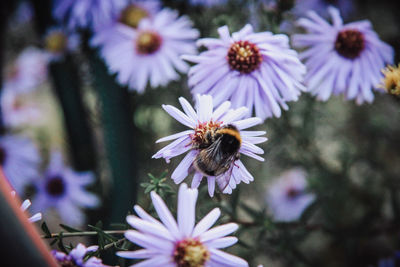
[208, 2]
[65, 191]
[20, 161]
[204, 140]
[250, 69]
[58, 42]
[76, 257]
[25, 205]
[287, 197]
[149, 53]
[28, 71]
[179, 243]
[17, 111]
[92, 14]
[342, 59]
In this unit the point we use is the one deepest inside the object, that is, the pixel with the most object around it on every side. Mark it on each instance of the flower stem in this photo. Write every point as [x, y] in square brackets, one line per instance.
[85, 233]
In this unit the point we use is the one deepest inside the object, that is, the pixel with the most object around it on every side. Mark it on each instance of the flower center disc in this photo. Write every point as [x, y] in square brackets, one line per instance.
[293, 193]
[244, 57]
[191, 253]
[132, 15]
[391, 81]
[200, 133]
[55, 186]
[148, 42]
[350, 43]
[56, 42]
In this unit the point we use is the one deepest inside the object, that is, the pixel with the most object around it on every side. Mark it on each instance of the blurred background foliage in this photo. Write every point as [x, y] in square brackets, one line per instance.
[351, 153]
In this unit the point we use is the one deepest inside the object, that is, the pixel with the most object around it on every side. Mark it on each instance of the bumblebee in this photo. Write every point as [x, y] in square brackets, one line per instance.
[218, 150]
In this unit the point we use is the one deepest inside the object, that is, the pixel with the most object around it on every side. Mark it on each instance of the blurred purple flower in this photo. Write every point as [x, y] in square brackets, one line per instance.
[17, 112]
[64, 190]
[202, 121]
[207, 2]
[58, 42]
[25, 205]
[287, 197]
[92, 14]
[76, 257]
[28, 71]
[301, 7]
[250, 69]
[22, 14]
[149, 53]
[172, 243]
[342, 59]
[20, 161]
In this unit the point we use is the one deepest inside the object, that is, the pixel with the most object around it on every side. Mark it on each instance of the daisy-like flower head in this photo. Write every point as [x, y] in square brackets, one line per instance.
[20, 161]
[58, 42]
[76, 257]
[250, 69]
[341, 58]
[25, 205]
[92, 14]
[287, 197]
[180, 243]
[16, 110]
[64, 190]
[214, 142]
[149, 53]
[391, 80]
[28, 71]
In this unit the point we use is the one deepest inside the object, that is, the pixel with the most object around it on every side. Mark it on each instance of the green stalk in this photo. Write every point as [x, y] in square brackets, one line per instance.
[119, 138]
[67, 87]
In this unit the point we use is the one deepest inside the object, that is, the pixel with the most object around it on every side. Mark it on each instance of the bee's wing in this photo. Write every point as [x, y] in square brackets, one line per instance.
[224, 179]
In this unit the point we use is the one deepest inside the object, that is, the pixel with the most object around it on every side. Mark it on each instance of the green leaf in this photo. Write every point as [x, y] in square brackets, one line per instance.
[45, 229]
[69, 229]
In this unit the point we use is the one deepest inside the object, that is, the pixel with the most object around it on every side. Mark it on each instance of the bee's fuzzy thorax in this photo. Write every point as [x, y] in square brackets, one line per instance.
[233, 132]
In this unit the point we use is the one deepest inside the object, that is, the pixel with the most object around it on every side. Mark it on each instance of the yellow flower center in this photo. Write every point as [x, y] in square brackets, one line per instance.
[132, 15]
[191, 253]
[244, 56]
[391, 81]
[148, 42]
[56, 42]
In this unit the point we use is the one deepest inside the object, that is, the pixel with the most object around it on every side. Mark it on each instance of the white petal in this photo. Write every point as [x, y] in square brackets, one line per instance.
[222, 242]
[247, 123]
[227, 259]
[148, 241]
[218, 232]
[182, 171]
[206, 222]
[188, 109]
[174, 136]
[164, 214]
[179, 116]
[186, 209]
[149, 227]
[138, 254]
